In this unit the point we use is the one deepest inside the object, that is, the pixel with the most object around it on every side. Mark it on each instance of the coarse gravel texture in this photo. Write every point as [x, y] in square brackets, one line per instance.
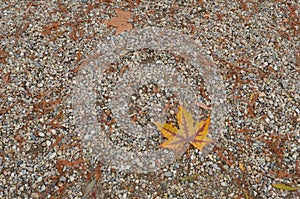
[255, 44]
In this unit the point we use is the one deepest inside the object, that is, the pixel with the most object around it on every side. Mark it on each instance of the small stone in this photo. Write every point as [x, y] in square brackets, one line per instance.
[224, 184]
[133, 98]
[48, 143]
[226, 167]
[35, 195]
[3, 179]
[62, 179]
[52, 155]
[40, 179]
[168, 174]
[284, 84]
[72, 178]
[43, 188]
[41, 134]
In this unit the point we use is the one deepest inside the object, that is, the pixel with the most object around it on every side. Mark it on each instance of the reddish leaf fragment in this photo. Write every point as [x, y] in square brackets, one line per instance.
[48, 28]
[3, 56]
[201, 2]
[225, 159]
[20, 140]
[54, 122]
[282, 174]
[61, 163]
[6, 78]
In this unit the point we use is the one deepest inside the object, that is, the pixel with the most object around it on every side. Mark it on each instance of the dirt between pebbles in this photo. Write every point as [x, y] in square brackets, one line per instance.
[255, 45]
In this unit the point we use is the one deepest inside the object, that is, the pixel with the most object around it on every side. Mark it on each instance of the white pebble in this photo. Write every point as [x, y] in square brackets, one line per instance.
[48, 143]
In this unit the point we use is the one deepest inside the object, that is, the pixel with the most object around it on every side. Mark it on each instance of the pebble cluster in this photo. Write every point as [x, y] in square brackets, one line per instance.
[255, 44]
[145, 97]
[116, 86]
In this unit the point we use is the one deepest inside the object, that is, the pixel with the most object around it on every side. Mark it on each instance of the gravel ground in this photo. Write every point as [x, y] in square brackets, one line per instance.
[255, 45]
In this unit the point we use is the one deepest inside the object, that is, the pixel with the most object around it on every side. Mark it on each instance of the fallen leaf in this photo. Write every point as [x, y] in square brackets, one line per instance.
[3, 56]
[121, 21]
[189, 132]
[89, 188]
[241, 166]
[61, 163]
[225, 159]
[6, 78]
[190, 178]
[201, 2]
[202, 105]
[285, 187]
[246, 194]
[282, 174]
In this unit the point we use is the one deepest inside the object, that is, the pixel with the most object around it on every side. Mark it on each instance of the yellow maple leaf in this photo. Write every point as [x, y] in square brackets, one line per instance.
[121, 21]
[189, 132]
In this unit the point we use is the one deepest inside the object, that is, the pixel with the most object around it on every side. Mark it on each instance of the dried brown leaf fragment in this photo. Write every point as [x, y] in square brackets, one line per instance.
[121, 22]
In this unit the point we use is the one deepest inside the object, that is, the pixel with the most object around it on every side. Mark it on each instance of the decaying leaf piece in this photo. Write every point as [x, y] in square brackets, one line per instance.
[285, 187]
[246, 194]
[121, 21]
[89, 188]
[189, 132]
